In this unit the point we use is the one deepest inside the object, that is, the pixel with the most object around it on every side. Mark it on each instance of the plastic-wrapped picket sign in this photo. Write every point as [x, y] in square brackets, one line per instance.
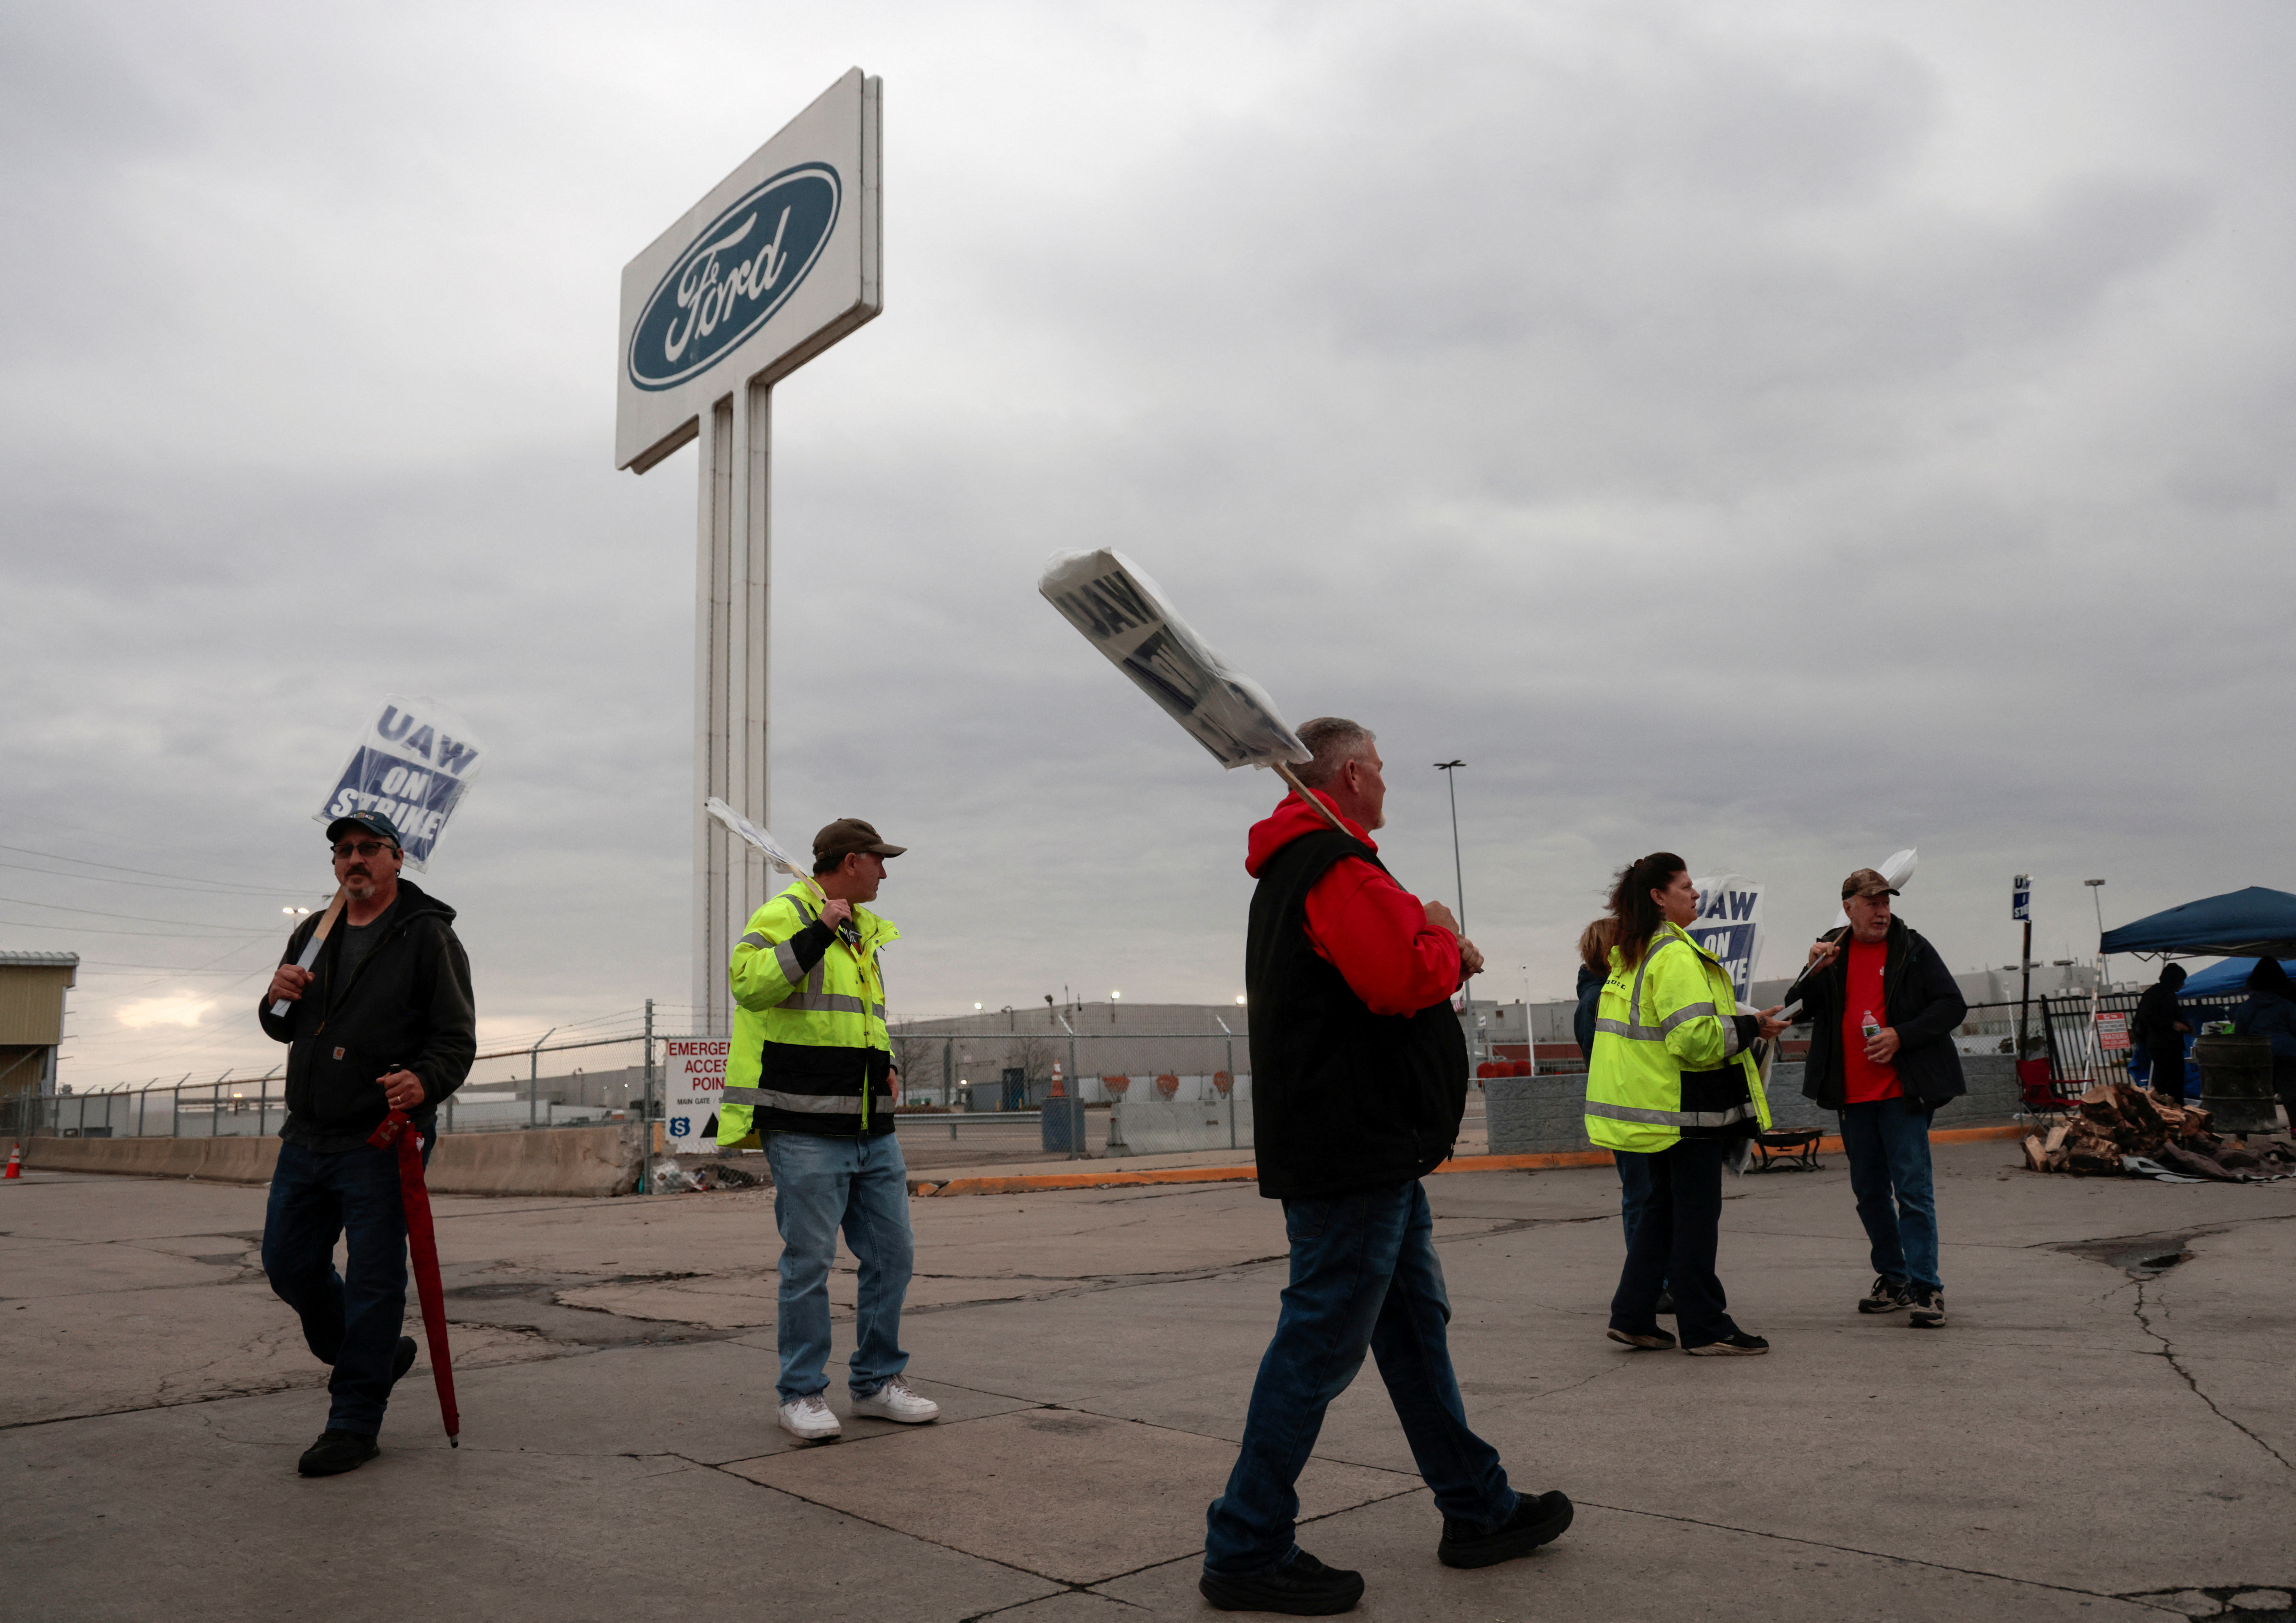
[755, 835]
[1125, 615]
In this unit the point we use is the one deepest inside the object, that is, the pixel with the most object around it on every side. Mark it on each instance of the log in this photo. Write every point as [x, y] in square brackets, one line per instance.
[2055, 1141]
[2037, 1155]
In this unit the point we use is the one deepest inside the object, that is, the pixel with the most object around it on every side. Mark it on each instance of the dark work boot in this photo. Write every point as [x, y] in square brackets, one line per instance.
[1301, 1587]
[1535, 1522]
[404, 1360]
[335, 1452]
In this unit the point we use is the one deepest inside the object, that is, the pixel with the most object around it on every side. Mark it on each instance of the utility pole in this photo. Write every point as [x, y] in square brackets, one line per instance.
[1449, 769]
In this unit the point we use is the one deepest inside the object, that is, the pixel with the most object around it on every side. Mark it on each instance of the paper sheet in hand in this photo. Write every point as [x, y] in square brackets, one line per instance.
[1123, 613]
[755, 835]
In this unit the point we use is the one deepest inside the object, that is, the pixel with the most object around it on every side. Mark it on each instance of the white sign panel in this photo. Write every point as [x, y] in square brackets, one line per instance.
[413, 766]
[693, 1085]
[1122, 612]
[777, 262]
[755, 835]
[1730, 927]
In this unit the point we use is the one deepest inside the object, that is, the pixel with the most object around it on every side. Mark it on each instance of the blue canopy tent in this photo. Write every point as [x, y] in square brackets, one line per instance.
[2251, 923]
[2228, 978]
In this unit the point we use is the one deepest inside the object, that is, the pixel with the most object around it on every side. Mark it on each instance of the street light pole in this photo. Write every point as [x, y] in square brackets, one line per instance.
[1449, 769]
[2096, 894]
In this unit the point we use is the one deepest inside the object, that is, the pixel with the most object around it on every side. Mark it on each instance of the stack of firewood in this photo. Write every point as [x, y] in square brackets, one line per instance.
[2114, 1120]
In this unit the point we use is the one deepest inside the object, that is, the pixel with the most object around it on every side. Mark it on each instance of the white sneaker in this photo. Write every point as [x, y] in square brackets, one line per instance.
[894, 1401]
[810, 1420]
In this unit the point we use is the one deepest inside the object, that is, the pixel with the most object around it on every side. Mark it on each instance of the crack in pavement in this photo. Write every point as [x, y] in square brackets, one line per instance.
[2168, 1351]
[1845, 1549]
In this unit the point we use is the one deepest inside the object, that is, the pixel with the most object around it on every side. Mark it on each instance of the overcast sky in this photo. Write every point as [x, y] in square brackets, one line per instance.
[1781, 433]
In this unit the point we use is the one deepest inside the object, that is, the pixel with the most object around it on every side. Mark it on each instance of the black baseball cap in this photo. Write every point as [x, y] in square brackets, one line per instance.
[374, 822]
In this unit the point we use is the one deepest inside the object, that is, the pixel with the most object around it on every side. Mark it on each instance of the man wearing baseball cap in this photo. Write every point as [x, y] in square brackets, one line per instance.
[1882, 1010]
[811, 1069]
[382, 1020]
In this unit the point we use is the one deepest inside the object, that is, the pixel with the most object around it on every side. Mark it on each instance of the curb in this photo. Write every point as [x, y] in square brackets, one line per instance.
[1028, 1183]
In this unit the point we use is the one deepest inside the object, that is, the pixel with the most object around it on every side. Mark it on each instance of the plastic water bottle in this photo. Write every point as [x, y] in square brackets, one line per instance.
[1871, 1027]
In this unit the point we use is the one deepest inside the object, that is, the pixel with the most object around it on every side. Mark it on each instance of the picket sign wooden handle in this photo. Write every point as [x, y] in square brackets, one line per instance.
[1283, 770]
[311, 949]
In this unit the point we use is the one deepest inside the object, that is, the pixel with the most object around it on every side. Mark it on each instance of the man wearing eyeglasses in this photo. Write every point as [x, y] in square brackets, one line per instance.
[382, 1020]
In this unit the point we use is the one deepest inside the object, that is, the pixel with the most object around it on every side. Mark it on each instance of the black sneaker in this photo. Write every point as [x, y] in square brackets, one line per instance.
[1737, 1344]
[1887, 1296]
[1666, 1303]
[1301, 1587]
[1656, 1340]
[335, 1452]
[1929, 1308]
[404, 1361]
[1535, 1522]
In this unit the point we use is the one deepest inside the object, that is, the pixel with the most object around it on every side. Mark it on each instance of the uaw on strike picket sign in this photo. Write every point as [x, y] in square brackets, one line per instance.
[1730, 927]
[413, 764]
[693, 1085]
[1124, 614]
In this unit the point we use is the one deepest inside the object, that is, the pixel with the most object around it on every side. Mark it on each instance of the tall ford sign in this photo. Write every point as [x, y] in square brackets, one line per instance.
[780, 260]
[776, 263]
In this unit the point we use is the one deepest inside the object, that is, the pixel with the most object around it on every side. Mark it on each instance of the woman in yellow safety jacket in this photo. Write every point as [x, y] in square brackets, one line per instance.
[1672, 1082]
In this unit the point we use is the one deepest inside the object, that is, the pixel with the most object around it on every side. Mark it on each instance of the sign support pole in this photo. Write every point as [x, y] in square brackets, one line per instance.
[778, 261]
[732, 600]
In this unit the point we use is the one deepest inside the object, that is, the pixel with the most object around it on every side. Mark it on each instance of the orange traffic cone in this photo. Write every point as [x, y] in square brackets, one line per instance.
[15, 1161]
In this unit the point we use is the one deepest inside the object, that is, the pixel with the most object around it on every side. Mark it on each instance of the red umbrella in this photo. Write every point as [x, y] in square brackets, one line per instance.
[415, 1198]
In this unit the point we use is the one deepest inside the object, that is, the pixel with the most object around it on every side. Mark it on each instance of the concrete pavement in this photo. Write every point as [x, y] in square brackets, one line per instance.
[2090, 1438]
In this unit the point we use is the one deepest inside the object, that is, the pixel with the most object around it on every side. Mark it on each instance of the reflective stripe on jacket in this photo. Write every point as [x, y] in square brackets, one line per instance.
[1667, 1061]
[809, 1051]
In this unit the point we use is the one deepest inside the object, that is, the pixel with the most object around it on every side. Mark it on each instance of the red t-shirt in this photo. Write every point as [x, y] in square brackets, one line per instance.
[1864, 1081]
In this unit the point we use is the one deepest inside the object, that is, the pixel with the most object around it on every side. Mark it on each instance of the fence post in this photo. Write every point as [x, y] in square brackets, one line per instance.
[645, 1110]
[1231, 1082]
[534, 1075]
[1076, 1090]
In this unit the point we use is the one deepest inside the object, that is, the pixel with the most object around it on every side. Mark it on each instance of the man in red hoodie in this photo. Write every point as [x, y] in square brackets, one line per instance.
[1359, 1078]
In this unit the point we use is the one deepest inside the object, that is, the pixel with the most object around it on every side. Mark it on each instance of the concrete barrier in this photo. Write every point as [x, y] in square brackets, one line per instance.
[595, 1160]
[1547, 1115]
[220, 1160]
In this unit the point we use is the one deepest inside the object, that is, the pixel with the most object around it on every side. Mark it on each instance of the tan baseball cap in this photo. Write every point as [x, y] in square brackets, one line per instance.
[847, 835]
[1865, 881]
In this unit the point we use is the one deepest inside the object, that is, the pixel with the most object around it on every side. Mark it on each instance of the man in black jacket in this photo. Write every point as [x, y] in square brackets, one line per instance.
[1359, 1078]
[2161, 1026]
[1882, 1010]
[381, 1021]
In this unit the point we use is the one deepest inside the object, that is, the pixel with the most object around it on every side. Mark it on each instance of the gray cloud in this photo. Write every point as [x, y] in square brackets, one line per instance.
[1763, 434]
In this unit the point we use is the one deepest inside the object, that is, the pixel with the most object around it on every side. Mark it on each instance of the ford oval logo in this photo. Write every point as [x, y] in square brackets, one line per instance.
[736, 274]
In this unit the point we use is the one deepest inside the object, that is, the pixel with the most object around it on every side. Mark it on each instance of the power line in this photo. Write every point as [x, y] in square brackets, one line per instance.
[133, 918]
[85, 862]
[142, 884]
[154, 935]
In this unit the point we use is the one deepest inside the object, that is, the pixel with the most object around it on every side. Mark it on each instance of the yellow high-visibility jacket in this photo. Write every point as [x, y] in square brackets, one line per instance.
[809, 1051]
[1670, 1060]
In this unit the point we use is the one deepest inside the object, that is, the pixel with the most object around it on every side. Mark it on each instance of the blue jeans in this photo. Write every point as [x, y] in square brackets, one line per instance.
[821, 1185]
[351, 1321]
[1674, 1243]
[1364, 1276]
[1888, 1151]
